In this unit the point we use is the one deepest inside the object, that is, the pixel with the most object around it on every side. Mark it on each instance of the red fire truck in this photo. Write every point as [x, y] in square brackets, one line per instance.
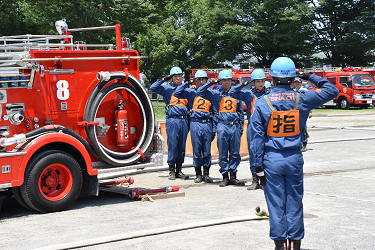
[70, 116]
[356, 86]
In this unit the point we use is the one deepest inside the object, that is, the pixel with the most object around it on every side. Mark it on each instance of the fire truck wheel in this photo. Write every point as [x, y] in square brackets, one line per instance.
[53, 181]
[343, 103]
[18, 196]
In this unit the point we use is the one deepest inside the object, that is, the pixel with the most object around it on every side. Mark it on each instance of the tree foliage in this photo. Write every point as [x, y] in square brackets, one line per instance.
[345, 31]
[209, 33]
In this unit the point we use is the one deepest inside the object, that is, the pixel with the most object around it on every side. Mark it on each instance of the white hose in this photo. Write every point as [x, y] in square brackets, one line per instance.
[343, 139]
[155, 231]
[337, 127]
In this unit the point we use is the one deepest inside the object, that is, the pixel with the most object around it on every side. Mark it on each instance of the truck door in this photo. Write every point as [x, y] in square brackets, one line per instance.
[347, 87]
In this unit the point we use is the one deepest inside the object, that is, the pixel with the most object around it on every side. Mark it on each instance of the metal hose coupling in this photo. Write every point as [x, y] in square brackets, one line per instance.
[103, 76]
[16, 139]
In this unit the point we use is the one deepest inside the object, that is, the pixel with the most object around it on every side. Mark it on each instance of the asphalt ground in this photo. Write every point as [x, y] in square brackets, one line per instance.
[339, 203]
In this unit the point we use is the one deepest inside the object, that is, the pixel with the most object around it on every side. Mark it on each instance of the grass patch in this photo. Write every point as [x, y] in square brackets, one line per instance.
[351, 111]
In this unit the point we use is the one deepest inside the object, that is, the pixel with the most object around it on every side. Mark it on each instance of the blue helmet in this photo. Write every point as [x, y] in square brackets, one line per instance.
[257, 74]
[225, 74]
[175, 71]
[267, 84]
[200, 73]
[283, 67]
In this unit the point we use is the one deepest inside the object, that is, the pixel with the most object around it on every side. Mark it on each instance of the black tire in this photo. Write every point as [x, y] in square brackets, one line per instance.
[343, 103]
[18, 196]
[53, 181]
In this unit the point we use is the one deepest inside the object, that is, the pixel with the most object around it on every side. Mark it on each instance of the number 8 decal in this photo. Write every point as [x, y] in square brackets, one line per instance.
[62, 90]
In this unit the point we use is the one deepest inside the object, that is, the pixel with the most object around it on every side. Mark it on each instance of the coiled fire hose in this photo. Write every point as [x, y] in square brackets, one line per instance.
[96, 148]
[148, 117]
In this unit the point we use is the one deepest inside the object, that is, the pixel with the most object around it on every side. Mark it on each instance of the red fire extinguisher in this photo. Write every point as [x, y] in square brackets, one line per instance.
[121, 126]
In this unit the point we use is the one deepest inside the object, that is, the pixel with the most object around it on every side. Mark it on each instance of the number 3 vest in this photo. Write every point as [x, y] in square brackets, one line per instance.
[283, 123]
[227, 104]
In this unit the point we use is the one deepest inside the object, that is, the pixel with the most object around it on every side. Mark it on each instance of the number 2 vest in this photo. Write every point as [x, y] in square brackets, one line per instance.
[201, 104]
[283, 123]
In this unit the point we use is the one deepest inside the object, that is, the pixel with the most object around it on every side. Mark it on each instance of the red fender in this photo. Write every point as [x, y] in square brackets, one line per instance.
[39, 142]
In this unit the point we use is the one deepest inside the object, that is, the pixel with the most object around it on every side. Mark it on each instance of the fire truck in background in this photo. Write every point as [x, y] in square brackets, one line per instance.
[71, 116]
[239, 75]
[356, 85]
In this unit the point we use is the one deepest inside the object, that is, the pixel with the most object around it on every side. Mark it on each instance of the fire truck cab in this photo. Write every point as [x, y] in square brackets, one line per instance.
[357, 87]
[70, 116]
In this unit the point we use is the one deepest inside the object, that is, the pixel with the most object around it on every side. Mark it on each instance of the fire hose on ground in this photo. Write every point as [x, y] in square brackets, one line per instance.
[156, 231]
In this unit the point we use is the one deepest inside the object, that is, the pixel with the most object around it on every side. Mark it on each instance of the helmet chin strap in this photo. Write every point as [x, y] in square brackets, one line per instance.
[283, 80]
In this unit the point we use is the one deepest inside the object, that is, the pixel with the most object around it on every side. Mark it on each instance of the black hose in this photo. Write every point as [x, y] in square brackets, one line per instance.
[148, 119]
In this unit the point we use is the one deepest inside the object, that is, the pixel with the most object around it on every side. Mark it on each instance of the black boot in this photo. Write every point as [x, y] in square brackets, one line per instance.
[304, 145]
[225, 181]
[255, 184]
[172, 172]
[233, 180]
[179, 173]
[280, 244]
[206, 173]
[294, 244]
[198, 173]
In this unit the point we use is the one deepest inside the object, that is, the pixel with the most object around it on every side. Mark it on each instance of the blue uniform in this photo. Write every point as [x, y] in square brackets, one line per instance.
[230, 119]
[176, 121]
[248, 96]
[201, 125]
[281, 155]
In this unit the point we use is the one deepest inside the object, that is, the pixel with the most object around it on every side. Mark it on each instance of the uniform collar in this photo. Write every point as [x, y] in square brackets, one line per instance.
[279, 88]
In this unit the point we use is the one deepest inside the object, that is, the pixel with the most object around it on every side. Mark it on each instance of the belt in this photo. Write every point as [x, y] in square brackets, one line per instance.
[228, 123]
[200, 120]
[177, 116]
[285, 149]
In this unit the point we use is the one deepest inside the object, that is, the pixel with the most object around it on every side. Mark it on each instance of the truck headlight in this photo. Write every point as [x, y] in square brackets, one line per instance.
[357, 96]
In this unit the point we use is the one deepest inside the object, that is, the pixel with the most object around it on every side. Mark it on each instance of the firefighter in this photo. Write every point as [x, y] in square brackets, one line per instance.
[229, 117]
[249, 97]
[176, 116]
[268, 86]
[276, 140]
[202, 129]
[297, 86]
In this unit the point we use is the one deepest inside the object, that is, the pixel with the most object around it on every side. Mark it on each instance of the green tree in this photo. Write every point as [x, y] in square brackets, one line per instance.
[278, 28]
[345, 31]
[39, 16]
[11, 19]
[192, 34]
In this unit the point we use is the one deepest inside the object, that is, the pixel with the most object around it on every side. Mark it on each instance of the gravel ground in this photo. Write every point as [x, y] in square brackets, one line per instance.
[339, 204]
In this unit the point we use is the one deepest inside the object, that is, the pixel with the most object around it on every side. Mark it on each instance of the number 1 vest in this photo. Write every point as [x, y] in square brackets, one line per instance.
[177, 101]
[283, 123]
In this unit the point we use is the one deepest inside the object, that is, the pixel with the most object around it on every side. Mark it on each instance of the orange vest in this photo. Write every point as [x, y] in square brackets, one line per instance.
[178, 102]
[201, 104]
[283, 123]
[228, 105]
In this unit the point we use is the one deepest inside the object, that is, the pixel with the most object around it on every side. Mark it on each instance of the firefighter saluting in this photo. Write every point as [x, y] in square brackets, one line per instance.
[176, 121]
[202, 129]
[249, 96]
[276, 143]
[230, 120]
